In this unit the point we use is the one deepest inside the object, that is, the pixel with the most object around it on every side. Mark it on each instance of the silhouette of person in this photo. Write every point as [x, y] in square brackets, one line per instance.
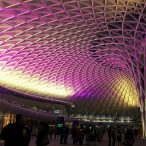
[119, 138]
[42, 137]
[109, 135]
[27, 134]
[113, 134]
[64, 134]
[129, 137]
[12, 134]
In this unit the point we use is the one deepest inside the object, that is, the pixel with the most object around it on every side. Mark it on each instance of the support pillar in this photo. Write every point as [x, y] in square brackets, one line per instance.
[144, 97]
[144, 123]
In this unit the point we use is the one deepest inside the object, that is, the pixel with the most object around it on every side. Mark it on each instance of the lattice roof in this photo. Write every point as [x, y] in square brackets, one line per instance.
[87, 51]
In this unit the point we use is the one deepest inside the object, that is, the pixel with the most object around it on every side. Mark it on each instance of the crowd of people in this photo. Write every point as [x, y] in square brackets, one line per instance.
[19, 134]
[122, 135]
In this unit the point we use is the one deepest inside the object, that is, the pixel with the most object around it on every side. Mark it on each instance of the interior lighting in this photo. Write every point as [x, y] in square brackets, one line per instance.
[33, 86]
[126, 90]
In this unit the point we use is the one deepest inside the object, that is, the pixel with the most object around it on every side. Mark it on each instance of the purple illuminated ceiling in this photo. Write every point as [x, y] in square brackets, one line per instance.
[87, 51]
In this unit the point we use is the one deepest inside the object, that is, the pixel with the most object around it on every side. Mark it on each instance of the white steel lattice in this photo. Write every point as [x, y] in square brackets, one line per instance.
[90, 52]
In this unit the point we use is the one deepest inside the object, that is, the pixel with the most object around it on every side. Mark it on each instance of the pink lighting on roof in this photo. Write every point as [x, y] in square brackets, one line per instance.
[73, 49]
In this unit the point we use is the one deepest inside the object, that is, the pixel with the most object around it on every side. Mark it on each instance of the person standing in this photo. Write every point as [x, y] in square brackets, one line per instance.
[27, 134]
[42, 137]
[129, 137]
[12, 134]
[81, 135]
[64, 134]
[119, 138]
[113, 132]
[74, 134]
[7, 134]
[51, 132]
[92, 137]
[109, 132]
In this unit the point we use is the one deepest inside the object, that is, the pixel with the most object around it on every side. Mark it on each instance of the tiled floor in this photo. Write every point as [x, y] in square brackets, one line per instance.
[55, 142]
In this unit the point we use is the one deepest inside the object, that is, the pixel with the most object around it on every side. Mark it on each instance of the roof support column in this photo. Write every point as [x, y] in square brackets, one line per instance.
[144, 123]
[143, 104]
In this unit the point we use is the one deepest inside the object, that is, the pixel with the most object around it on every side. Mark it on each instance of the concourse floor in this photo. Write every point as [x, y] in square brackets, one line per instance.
[55, 142]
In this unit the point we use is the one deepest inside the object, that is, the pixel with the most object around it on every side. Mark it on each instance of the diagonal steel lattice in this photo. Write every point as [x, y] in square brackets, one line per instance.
[90, 52]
